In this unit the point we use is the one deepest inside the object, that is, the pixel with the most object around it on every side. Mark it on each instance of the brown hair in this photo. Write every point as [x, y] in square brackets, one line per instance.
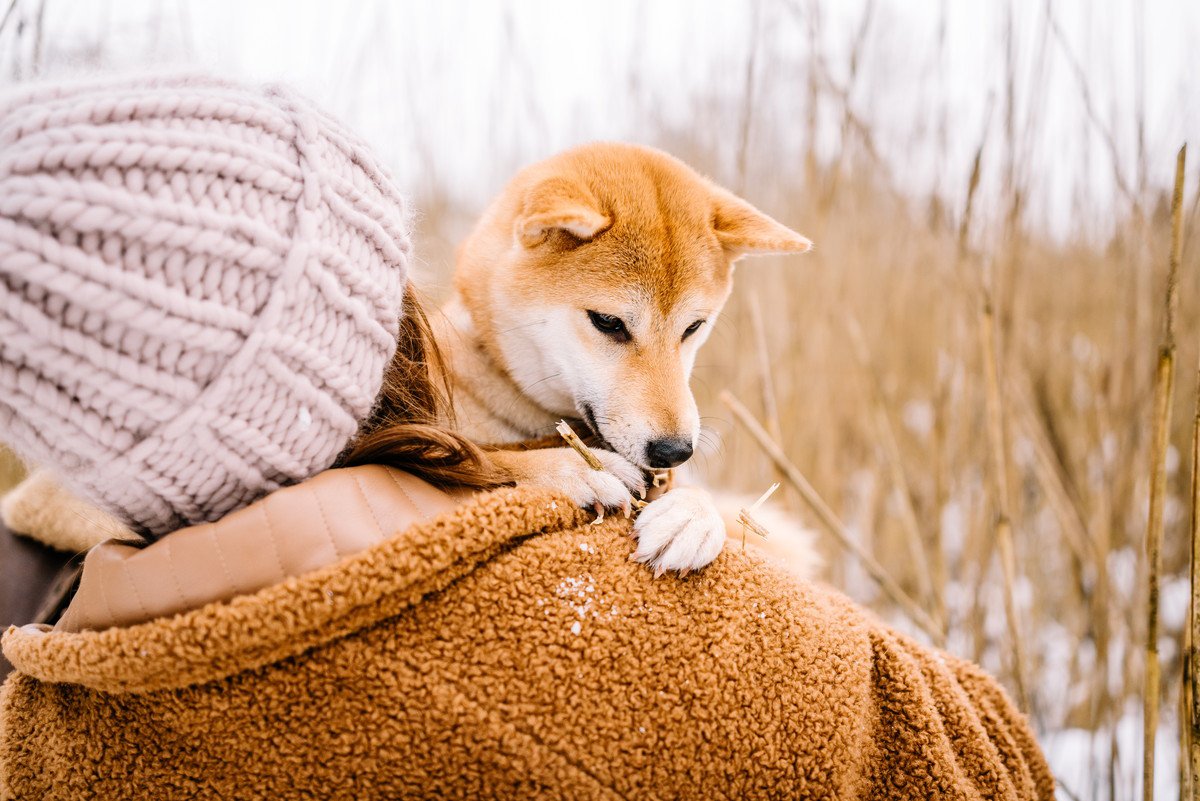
[406, 428]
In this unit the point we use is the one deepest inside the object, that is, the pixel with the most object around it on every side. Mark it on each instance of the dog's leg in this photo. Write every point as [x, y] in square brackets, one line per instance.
[683, 530]
[561, 469]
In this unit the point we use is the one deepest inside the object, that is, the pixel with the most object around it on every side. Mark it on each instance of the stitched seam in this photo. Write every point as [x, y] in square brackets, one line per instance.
[337, 554]
[420, 510]
[283, 574]
[198, 667]
[133, 585]
[104, 595]
[379, 525]
[212, 532]
[174, 576]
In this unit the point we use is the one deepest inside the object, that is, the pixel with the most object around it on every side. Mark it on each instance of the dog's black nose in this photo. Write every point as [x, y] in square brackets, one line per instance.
[668, 452]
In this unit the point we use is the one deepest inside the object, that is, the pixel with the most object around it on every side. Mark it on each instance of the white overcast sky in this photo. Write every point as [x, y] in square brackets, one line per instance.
[459, 92]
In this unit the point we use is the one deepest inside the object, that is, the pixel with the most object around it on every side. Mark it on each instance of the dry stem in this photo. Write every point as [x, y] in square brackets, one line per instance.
[572, 439]
[1191, 670]
[568, 434]
[746, 516]
[1163, 391]
[1003, 523]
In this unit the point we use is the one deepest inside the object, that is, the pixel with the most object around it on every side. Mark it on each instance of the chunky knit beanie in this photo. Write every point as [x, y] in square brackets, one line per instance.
[200, 290]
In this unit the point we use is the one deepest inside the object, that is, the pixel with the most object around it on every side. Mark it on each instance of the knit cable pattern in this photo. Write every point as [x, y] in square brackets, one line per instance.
[200, 289]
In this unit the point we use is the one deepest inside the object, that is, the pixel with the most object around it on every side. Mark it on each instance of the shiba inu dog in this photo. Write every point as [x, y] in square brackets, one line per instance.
[585, 291]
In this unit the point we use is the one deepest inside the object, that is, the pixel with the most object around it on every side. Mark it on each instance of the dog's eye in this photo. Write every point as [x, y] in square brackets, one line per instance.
[610, 325]
[693, 328]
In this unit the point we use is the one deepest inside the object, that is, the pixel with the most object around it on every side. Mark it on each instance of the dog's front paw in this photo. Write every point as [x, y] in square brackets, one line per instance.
[565, 471]
[683, 530]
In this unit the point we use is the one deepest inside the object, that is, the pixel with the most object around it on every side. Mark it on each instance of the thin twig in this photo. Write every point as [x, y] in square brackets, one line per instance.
[1089, 107]
[746, 516]
[1164, 384]
[568, 434]
[39, 35]
[1002, 525]
[765, 377]
[964, 225]
[8, 15]
[572, 439]
[748, 98]
[1050, 474]
[750, 523]
[1191, 670]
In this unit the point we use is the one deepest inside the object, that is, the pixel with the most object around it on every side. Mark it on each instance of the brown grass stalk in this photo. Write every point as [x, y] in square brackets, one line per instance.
[765, 377]
[1191, 651]
[829, 519]
[1002, 522]
[572, 439]
[1163, 391]
[938, 562]
[1050, 473]
[766, 384]
[895, 465]
[746, 516]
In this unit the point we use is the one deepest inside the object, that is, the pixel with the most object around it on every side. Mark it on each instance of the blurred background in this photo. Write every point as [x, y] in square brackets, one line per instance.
[964, 367]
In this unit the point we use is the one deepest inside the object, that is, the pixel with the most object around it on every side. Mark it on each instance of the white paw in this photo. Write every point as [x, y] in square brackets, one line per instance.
[683, 530]
[593, 489]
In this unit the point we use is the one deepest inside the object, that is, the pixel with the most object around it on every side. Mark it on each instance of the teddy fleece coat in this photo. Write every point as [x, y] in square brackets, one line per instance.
[508, 648]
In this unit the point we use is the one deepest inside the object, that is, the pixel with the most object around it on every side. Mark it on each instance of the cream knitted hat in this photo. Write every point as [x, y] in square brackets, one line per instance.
[200, 289]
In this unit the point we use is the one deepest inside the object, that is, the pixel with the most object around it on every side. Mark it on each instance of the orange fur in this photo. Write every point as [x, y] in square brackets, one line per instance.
[627, 233]
[656, 225]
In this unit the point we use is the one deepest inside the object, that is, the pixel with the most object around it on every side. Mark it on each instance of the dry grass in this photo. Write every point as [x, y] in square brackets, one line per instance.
[1190, 746]
[1016, 434]
[963, 404]
[1077, 411]
[1164, 386]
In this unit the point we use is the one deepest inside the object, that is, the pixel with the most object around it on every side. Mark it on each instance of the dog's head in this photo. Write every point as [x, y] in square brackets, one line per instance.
[596, 276]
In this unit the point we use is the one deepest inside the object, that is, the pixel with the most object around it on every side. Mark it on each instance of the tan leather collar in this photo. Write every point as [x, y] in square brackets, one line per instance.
[288, 533]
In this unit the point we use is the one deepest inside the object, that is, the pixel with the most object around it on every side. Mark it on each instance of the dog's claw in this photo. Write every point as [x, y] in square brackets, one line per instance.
[681, 531]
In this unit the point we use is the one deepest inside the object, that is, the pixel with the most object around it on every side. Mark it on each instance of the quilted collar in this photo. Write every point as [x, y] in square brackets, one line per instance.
[290, 532]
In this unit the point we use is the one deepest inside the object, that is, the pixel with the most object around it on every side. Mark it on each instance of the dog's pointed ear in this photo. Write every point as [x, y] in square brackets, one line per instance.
[745, 231]
[557, 204]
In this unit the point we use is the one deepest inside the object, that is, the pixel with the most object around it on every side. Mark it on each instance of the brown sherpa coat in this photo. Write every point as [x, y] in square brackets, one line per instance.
[509, 649]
